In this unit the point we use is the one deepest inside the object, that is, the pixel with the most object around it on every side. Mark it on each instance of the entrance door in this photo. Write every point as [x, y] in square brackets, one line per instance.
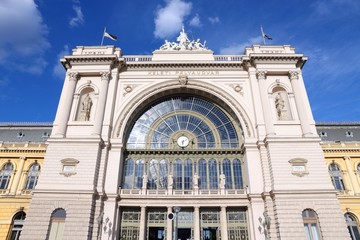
[184, 233]
[209, 233]
[156, 233]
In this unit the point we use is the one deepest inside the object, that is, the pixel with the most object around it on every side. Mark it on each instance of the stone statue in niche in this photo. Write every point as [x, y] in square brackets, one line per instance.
[196, 181]
[86, 108]
[280, 107]
[170, 181]
[222, 180]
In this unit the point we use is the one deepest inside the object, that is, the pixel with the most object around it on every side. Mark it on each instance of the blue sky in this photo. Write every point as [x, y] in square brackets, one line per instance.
[34, 35]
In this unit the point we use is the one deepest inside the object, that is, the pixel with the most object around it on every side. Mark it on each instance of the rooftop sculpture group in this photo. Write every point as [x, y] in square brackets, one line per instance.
[183, 43]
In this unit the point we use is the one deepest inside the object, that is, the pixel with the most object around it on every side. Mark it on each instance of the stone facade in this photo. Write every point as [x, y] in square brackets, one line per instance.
[261, 95]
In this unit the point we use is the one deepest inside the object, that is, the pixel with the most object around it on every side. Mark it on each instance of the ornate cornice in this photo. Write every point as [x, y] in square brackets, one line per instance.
[113, 60]
[163, 65]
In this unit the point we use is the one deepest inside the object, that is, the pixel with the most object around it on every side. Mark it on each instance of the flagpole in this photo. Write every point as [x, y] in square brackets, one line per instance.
[102, 40]
[262, 35]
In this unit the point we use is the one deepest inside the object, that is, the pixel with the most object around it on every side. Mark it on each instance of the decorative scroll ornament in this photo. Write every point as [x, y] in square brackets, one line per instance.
[73, 76]
[261, 74]
[294, 74]
[105, 75]
[183, 43]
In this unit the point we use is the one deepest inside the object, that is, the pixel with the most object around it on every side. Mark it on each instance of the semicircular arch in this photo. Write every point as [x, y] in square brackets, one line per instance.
[135, 105]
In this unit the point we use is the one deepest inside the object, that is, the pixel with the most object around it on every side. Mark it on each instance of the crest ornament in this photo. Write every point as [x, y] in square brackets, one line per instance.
[183, 79]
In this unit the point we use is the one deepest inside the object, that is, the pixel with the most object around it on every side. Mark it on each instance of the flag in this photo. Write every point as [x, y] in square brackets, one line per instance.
[111, 36]
[266, 36]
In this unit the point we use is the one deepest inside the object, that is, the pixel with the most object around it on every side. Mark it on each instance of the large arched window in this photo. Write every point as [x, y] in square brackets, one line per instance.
[336, 177]
[32, 176]
[311, 225]
[199, 140]
[5, 175]
[352, 226]
[16, 225]
[57, 224]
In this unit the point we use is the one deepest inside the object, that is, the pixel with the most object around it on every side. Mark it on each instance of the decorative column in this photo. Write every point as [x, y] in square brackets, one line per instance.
[352, 175]
[223, 221]
[261, 76]
[65, 109]
[196, 223]
[169, 225]
[101, 104]
[300, 102]
[17, 176]
[142, 229]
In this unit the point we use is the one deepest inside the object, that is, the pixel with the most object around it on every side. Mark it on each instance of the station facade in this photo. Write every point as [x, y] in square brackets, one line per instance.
[184, 144]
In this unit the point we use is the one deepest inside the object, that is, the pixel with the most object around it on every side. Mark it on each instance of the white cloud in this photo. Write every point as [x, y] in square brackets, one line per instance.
[78, 19]
[58, 69]
[23, 36]
[195, 21]
[238, 48]
[169, 19]
[214, 20]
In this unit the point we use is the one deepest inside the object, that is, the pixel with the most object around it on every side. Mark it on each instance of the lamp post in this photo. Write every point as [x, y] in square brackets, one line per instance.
[176, 210]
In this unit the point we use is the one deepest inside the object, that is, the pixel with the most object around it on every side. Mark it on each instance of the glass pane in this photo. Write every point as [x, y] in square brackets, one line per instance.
[237, 174]
[188, 174]
[202, 174]
[178, 174]
[227, 172]
[314, 231]
[153, 174]
[213, 174]
[307, 232]
[163, 174]
[128, 174]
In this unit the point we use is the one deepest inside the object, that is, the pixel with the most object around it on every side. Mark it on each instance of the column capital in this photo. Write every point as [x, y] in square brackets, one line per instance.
[346, 158]
[22, 158]
[261, 74]
[105, 75]
[294, 74]
[73, 76]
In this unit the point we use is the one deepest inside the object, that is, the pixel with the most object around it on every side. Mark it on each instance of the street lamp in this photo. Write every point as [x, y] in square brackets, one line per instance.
[176, 210]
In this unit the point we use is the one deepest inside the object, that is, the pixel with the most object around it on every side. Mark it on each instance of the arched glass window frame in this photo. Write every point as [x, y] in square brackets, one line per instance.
[352, 225]
[57, 224]
[336, 176]
[156, 126]
[5, 175]
[16, 225]
[311, 225]
[32, 176]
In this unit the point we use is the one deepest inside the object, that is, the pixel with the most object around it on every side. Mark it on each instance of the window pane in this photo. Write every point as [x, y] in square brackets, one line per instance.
[227, 172]
[128, 174]
[213, 174]
[314, 231]
[202, 174]
[178, 174]
[188, 174]
[307, 232]
[237, 174]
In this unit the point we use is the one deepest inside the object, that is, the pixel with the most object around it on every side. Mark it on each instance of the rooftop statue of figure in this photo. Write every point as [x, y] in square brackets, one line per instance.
[183, 43]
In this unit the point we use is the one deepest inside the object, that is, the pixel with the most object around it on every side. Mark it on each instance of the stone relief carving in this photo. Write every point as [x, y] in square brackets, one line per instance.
[280, 107]
[183, 79]
[239, 89]
[73, 76]
[105, 75]
[261, 74]
[294, 74]
[183, 43]
[128, 89]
